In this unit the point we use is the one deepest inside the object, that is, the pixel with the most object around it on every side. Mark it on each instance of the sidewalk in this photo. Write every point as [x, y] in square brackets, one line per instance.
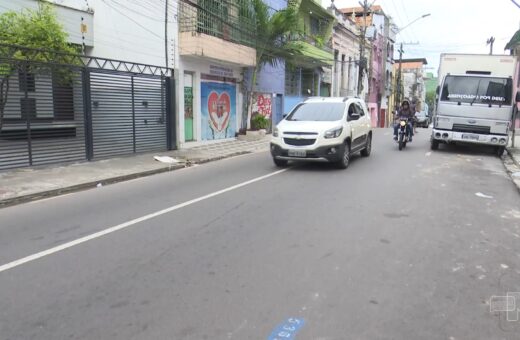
[28, 184]
[513, 165]
[515, 152]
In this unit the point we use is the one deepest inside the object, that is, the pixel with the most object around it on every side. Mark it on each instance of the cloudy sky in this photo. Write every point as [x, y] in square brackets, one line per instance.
[454, 25]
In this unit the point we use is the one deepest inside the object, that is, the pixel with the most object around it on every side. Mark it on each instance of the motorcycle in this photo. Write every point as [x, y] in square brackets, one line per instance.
[403, 133]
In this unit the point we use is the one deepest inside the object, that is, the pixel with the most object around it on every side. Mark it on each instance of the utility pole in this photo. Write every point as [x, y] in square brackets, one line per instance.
[362, 62]
[399, 84]
[490, 42]
[166, 32]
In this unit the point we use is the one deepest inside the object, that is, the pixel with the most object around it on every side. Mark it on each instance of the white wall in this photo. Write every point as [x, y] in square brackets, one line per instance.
[132, 31]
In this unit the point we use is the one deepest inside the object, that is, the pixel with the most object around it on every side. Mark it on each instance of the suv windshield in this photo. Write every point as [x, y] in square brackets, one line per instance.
[318, 112]
[480, 90]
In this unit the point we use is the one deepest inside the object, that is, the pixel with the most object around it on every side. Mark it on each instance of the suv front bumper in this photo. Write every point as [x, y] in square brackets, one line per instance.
[329, 153]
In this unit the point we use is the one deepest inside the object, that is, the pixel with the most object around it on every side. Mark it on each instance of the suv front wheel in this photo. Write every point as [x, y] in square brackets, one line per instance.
[368, 147]
[345, 158]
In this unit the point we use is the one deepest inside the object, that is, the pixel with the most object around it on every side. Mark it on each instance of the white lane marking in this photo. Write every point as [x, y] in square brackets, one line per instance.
[124, 225]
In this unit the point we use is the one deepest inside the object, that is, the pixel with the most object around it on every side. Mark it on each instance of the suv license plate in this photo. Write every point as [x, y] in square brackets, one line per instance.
[297, 153]
[470, 137]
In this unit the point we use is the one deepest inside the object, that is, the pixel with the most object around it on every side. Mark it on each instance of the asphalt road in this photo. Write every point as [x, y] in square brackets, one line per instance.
[398, 246]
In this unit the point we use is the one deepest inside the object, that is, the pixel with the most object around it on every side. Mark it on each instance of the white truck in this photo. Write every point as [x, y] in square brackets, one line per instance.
[475, 100]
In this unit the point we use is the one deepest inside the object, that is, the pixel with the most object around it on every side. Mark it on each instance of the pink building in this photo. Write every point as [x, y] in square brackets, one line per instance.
[377, 33]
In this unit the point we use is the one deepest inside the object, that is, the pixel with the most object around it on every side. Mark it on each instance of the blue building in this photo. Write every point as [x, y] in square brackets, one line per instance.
[283, 87]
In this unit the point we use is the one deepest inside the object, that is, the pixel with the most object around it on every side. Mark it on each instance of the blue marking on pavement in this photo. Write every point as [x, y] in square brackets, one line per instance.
[287, 330]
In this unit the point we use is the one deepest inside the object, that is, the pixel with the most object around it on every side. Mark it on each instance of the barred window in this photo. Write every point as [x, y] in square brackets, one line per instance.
[292, 79]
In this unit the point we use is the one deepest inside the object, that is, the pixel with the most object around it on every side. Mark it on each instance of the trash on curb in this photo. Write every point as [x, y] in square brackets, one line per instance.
[166, 159]
[479, 194]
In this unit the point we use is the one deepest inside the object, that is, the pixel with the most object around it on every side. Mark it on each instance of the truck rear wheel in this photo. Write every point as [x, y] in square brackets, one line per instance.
[500, 150]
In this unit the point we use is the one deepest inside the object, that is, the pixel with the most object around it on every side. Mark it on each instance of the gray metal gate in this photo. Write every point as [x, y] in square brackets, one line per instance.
[128, 114]
[80, 108]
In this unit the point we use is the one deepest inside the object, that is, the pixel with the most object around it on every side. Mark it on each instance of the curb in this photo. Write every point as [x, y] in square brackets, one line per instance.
[112, 180]
[513, 157]
[512, 166]
[83, 186]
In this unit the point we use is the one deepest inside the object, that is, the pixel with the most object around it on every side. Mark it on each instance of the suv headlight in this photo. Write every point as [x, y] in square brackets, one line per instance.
[275, 132]
[333, 133]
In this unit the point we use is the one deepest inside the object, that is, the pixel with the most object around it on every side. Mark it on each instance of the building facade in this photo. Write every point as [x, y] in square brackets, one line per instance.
[381, 35]
[113, 100]
[345, 41]
[413, 80]
[310, 74]
[215, 43]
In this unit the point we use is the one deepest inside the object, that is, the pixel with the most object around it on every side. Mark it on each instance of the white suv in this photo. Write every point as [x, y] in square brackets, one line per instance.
[323, 129]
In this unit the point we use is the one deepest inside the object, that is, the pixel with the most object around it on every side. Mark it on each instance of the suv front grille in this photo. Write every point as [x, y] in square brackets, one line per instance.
[485, 130]
[301, 133]
[299, 142]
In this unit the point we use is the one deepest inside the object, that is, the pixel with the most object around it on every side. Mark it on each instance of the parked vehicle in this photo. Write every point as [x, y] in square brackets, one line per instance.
[475, 100]
[422, 119]
[403, 133]
[323, 130]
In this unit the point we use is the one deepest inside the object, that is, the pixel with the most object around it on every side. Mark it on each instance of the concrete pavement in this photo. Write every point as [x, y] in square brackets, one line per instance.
[401, 245]
[27, 184]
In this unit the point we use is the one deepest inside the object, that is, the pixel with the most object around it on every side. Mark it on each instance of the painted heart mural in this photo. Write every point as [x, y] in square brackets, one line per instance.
[219, 110]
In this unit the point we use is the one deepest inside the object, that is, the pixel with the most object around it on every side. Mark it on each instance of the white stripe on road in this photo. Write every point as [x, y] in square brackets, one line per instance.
[121, 226]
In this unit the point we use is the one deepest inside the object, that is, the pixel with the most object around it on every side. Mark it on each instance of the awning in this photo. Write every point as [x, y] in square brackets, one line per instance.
[312, 55]
[514, 42]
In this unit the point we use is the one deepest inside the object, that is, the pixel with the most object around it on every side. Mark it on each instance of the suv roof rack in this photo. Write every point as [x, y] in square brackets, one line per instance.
[314, 97]
[350, 97]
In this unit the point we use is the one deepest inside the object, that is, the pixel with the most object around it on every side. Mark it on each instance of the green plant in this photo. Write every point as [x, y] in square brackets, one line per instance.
[30, 29]
[259, 122]
[320, 41]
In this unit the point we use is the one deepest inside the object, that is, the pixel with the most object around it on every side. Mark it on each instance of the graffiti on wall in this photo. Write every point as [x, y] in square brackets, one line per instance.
[262, 104]
[218, 101]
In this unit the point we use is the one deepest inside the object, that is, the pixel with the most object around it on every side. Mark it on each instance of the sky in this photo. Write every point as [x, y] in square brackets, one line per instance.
[461, 26]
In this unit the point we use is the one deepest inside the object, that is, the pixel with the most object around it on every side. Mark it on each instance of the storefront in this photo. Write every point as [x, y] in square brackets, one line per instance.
[209, 101]
[218, 107]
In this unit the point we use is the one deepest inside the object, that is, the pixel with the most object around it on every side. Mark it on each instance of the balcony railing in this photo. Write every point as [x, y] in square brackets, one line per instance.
[230, 20]
[314, 41]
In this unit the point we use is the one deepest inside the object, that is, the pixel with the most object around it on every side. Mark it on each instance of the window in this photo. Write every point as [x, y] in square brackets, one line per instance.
[319, 112]
[315, 26]
[480, 90]
[352, 109]
[28, 108]
[359, 109]
[26, 82]
[292, 79]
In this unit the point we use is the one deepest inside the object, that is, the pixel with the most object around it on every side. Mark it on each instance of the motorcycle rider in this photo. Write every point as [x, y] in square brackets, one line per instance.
[405, 112]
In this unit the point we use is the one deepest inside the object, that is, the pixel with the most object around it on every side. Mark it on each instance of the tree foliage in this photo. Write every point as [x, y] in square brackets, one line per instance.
[273, 31]
[28, 28]
[430, 100]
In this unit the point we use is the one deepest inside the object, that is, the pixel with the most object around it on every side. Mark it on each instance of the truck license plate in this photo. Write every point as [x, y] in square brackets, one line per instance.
[297, 153]
[470, 136]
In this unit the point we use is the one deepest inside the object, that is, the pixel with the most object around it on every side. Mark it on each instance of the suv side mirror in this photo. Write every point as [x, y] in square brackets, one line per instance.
[517, 98]
[353, 116]
[285, 115]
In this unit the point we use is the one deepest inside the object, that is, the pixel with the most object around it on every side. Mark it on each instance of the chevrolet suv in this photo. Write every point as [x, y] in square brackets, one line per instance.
[323, 130]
